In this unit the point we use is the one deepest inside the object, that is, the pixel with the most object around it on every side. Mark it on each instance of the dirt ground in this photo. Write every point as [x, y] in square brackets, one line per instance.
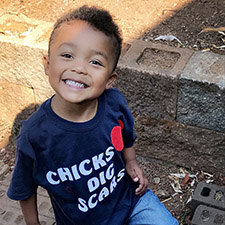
[197, 25]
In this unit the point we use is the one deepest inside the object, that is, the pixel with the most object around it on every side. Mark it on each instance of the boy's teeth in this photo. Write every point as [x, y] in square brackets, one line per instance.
[74, 83]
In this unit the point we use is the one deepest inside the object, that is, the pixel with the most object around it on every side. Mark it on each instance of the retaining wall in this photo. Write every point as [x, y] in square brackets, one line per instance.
[178, 103]
[177, 96]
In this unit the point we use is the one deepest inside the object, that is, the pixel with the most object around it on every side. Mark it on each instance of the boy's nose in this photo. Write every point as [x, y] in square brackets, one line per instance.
[79, 66]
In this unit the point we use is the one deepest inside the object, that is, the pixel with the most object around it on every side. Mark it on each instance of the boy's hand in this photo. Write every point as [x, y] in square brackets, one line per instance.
[137, 175]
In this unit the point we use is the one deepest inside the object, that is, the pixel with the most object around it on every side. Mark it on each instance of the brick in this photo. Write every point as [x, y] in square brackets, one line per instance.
[175, 143]
[152, 85]
[201, 93]
[148, 93]
[205, 215]
[210, 195]
[18, 103]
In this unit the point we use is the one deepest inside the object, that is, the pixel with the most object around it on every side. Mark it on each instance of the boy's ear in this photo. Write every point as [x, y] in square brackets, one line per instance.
[111, 80]
[45, 61]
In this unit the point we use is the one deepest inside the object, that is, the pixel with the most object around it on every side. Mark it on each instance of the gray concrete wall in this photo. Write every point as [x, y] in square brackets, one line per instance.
[179, 109]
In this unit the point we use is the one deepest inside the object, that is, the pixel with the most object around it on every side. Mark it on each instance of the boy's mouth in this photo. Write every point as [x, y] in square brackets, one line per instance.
[74, 83]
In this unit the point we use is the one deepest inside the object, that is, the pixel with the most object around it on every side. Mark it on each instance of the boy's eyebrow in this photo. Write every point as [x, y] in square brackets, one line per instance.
[94, 52]
[67, 44]
[99, 53]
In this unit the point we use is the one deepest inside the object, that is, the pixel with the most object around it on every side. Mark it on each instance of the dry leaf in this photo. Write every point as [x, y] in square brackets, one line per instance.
[218, 47]
[217, 29]
[205, 50]
[168, 38]
[223, 33]
[176, 187]
[186, 178]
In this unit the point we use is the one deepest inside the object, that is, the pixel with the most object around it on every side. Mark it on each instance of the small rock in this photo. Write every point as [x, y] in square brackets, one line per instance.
[2, 150]
[156, 180]
[161, 193]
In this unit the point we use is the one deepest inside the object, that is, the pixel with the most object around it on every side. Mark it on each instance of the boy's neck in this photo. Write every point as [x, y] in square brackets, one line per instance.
[81, 112]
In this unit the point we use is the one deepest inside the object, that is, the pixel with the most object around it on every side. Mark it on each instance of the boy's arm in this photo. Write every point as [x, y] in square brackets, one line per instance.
[29, 209]
[133, 169]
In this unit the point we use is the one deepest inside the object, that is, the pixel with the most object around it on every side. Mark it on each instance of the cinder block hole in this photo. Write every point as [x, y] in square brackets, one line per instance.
[205, 192]
[205, 215]
[219, 219]
[219, 195]
[155, 58]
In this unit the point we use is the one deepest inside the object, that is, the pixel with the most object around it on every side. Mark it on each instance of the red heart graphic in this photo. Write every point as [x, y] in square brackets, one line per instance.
[116, 137]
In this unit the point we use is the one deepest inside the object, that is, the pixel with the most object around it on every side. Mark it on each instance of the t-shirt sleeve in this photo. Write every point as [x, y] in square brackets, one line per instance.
[22, 183]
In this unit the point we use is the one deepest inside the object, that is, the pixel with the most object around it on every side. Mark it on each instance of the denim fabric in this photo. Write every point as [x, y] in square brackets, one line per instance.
[150, 211]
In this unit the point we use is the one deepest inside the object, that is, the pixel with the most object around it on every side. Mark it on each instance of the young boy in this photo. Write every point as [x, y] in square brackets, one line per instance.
[79, 144]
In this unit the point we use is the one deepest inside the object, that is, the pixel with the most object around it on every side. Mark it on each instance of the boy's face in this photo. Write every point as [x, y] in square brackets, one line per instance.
[80, 63]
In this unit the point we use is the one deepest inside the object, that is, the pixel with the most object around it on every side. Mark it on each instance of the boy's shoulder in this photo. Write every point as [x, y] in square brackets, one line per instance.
[114, 94]
[115, 100]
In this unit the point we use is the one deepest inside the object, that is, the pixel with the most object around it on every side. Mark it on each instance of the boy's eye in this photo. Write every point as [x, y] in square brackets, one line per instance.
[95, 62]
[66, 55]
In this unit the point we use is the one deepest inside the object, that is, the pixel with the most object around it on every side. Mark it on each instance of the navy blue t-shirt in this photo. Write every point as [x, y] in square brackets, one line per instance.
[79, 164]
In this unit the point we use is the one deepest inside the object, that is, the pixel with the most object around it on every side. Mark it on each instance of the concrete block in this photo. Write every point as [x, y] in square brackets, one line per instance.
[22, 65]
[42, 95]
[206, 67]
[22, 50]
[24, 30]
[149, 94]
[180, 144]
[150, 57]
[205, 215]
[209, 194]
[14, 98]
[148, 81]
[202, 92]
[21, 69]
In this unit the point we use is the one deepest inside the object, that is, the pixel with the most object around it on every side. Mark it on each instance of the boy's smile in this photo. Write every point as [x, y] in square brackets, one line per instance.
[80, 63]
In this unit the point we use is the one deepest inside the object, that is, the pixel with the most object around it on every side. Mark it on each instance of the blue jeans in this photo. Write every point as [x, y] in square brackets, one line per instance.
[150, 211]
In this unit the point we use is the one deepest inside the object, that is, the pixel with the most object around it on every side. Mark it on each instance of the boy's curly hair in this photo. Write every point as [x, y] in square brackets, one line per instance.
[97, 18]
